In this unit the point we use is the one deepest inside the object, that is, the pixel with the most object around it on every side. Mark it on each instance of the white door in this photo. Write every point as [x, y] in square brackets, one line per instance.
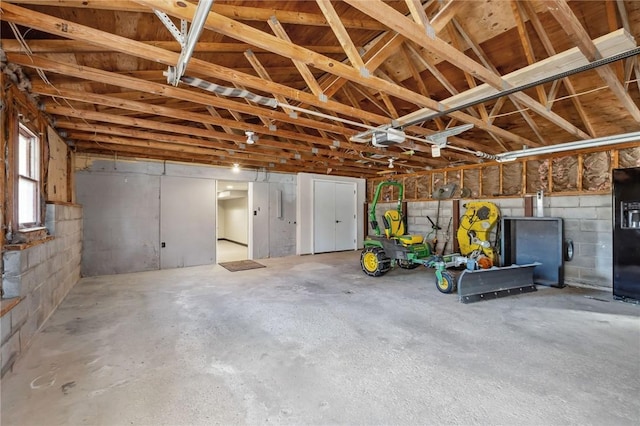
[324, 216]
[334, 216]
[187, 222]
[258, 220]
[345, 203]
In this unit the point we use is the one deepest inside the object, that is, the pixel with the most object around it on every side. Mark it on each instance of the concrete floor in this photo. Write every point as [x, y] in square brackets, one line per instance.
[312, 340]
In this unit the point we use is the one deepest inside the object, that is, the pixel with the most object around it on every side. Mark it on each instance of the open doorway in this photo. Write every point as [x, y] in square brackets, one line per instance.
[232, 227]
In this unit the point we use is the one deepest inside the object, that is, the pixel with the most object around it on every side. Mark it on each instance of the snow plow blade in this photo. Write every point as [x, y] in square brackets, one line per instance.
[484, 284]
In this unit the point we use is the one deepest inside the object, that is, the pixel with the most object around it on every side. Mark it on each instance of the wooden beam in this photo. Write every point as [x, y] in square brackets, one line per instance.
[612, 22]
[243, 32]
[416, 9]
[526, 44]
[578, 35]
[182, 115]
[302, 68]
[214, 112]
[352, 152]
[432, 69]
[342, 35]
[546, 42]
[52, 25]
[165, 90]
[422, 88]
[249, 34]
[75, 31]
[389, 42]
[374, 57]
[477, 49]
[401, 24]
[237, 12]
[453, 34]
[151, 125]
[73, 46]
[384, 13]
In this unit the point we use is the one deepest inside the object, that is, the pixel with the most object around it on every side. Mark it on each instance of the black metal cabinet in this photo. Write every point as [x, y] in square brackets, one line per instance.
[535, 239]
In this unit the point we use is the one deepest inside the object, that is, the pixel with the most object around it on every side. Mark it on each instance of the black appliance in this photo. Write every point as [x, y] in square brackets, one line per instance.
[535, 239]
[626, 234]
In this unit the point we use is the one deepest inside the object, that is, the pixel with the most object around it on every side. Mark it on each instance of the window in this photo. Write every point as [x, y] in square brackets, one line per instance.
[28, 178]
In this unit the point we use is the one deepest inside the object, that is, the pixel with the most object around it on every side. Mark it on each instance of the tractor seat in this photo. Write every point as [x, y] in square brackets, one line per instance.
[394, 228]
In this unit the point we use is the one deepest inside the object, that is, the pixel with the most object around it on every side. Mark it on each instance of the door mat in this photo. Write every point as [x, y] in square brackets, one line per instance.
[241, 265]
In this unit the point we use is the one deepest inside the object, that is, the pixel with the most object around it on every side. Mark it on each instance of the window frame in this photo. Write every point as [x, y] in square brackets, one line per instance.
[33, 175]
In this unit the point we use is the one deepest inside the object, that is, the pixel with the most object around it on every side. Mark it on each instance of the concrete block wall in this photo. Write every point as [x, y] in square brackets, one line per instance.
[587, 222]
[41, 276]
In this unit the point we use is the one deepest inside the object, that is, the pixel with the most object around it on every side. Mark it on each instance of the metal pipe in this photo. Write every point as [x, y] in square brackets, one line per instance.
[591, 143]
[197, 25]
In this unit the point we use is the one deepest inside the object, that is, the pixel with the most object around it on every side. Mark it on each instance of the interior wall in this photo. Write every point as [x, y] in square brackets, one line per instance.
[121, 200]
[305, 208]
[236, 220]
[221, 223]
[121, 221]
[282, 229]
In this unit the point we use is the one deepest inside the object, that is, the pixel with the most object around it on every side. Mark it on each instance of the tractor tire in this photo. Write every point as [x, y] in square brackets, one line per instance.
[447, 284]
[407, 264]
[374, 261]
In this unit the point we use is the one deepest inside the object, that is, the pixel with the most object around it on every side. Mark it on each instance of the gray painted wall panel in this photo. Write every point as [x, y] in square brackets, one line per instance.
[121, 222]
[187, 222]
[282, 230]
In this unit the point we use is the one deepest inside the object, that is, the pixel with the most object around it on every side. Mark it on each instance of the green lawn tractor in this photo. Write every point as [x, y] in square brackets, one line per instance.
[393, 247]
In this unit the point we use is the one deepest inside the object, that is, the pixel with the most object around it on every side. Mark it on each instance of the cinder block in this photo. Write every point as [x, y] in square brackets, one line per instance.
[15, 262]
[568, 201]
[50, 211]
[12, 286]
[583, 262]
[593, 250]
[5, 327]
[578, 213]
[36, 255]
[605, 213]
[27, 331]
[509, 202]
[9, 352]
[595, 277]
[571, 271]
[595, 201]
[595, 225]
[34, 300]
[571, 225]
[421, 220]
[41, 272]
[19, 315]
[30, 281]
[591, 237]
